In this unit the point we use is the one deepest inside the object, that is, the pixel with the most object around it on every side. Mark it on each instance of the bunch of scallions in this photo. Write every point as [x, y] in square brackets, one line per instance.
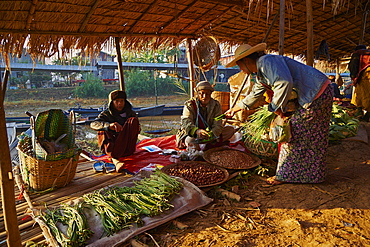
[118, 207]
[258, 125]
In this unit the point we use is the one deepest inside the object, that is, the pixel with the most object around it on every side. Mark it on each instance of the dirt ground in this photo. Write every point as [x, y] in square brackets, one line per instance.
[333, 213]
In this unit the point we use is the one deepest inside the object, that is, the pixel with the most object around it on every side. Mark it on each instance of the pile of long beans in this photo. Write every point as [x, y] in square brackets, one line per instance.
[78, 231]
[118, 207]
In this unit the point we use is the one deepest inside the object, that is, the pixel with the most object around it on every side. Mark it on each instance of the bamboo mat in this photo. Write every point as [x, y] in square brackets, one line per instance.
[85, 181]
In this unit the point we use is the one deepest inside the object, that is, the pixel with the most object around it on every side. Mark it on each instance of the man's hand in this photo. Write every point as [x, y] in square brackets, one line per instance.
[116, 127]
[201, 133]
[231, 112]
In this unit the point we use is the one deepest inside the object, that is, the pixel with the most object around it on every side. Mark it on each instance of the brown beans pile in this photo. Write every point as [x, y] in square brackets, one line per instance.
[198, 173]
[231, 159]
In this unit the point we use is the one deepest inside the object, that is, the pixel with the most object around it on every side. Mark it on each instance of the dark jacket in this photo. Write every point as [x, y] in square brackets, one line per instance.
[110, 115]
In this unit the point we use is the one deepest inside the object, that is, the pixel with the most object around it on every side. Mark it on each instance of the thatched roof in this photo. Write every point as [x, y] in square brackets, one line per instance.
[51, 25]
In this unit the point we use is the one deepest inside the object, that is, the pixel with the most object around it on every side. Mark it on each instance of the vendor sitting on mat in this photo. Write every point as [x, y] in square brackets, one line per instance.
[118, 127]
[197, 121]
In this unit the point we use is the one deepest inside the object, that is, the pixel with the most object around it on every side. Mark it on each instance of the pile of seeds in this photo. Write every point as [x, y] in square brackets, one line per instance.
[230, 159]
[196, 172]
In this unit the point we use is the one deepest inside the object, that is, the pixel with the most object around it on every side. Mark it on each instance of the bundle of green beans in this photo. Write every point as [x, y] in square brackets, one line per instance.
[78, 231]
[120, 207]
[258, 125]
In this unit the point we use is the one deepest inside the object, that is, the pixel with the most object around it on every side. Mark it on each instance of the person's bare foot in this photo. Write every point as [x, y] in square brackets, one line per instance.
[273, 181]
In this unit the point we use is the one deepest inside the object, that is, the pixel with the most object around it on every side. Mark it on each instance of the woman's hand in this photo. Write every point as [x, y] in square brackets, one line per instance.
[231, 112]
[115, 127]
[201, 133]
[280, 113]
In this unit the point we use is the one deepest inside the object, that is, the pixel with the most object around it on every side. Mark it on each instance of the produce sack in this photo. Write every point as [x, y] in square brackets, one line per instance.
[280, 130]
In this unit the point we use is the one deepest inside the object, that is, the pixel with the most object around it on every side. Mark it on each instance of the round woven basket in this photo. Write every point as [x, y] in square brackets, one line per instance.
[206, 53]
[262, 148]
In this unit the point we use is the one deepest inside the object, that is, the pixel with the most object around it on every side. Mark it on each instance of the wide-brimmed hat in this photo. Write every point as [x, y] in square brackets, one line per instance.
[204, 85]
[245, 50]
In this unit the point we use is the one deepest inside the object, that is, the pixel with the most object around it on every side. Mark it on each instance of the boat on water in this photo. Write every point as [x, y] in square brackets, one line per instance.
[141, 111]
[11, 130]
[89, 114]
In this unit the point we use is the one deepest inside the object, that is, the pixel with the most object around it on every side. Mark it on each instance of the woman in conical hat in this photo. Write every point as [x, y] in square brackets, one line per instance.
[302, 158]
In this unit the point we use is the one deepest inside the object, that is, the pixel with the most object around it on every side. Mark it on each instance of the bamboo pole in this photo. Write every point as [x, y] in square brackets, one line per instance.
[7, 179]
[239, 91]
[189, 54]
[309, 55]
[281, 27]
[120, 68]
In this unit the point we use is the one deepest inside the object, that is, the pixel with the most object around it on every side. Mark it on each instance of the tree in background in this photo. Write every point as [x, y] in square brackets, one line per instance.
[91, 88]
[143, 83]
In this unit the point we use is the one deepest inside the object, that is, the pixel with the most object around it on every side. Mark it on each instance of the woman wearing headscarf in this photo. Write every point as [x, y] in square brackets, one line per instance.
[302, 158]
[118, 127]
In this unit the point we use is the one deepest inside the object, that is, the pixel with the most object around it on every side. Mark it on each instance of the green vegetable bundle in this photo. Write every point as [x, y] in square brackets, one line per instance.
[118, 207]
[257, 128]
[342, 125]
[78, 231]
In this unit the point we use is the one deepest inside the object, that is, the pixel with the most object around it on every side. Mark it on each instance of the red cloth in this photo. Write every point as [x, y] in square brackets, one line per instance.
[122, 143]
[142, 158]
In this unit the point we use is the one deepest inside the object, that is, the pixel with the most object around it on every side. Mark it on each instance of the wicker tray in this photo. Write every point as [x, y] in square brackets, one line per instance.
[41, 175]
[242, 159]
[195, 164]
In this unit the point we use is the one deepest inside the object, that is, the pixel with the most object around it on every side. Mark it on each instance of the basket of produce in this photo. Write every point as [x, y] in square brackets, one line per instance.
[342, 125]
[231, 158]
[262, 148]
[200, 173]
[256, 134]
[48, 156]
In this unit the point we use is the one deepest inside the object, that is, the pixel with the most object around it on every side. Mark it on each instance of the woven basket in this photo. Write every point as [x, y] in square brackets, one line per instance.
[223, 98]
[41, 175]
[262, 148]
[49, 125]
[206, 53]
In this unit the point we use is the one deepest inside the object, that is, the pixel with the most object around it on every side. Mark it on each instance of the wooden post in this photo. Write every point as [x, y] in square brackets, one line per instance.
[120, 68]
[281, 27]
[337, 72]
[7, 179]
[189, 54]
[362, 36]
[309, 55]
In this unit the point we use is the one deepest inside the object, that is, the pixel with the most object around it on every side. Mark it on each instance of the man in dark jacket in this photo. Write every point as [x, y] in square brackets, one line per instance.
[118, 127]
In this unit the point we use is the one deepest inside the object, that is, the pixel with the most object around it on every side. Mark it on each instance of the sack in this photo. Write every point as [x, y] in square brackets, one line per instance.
[280, 130]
